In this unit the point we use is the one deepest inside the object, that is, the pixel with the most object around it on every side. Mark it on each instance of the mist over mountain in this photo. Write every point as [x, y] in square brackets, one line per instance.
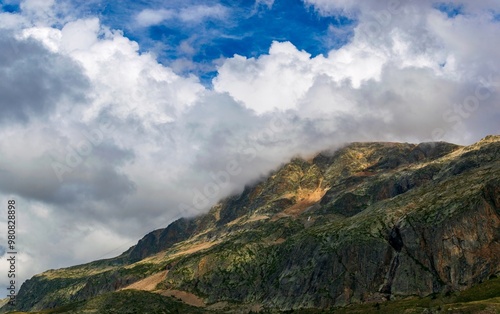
[365, 224]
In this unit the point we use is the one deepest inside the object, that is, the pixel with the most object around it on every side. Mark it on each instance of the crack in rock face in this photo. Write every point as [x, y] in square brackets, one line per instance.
[395, 239]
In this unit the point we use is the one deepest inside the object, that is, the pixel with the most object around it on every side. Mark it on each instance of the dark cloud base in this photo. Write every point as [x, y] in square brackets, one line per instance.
[34, 80]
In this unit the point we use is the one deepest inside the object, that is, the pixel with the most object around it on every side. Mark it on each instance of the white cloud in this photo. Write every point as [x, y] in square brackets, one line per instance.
[148, 17]
[274, 81]
[46, 12]
[40, 9]
[268, 3]
[197, 13]
[11, 20]
[79, 35]
[49, 36]
[191, 14]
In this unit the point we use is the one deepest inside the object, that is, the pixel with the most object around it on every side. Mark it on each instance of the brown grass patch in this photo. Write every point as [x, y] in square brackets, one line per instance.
[186, 297]
[148, 283]
[306, 199]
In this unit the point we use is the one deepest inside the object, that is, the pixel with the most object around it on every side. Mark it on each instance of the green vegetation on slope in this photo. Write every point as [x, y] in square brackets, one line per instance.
[126, 302]
[367, 223]
[483, 298]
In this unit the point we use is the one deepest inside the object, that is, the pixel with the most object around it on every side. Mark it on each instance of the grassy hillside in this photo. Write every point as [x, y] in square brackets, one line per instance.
[126, 302]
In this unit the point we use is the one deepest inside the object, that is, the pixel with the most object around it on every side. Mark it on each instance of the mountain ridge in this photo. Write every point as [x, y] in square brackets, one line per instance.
[377, 204]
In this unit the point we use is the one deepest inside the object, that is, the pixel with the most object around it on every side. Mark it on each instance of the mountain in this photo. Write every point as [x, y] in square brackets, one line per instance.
[349, 229]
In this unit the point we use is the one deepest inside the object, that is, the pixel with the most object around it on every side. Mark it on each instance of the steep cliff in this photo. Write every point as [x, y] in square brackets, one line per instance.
[366, 223]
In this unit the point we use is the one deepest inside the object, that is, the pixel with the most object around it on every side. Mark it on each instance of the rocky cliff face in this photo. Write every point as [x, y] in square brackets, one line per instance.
[368, 222]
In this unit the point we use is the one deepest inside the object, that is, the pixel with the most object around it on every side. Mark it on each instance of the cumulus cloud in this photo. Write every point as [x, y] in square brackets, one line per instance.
[273, 81]
[100, 141]
[423, 60]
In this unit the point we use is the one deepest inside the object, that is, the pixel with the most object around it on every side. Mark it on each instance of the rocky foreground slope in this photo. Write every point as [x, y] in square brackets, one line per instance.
[366, 223]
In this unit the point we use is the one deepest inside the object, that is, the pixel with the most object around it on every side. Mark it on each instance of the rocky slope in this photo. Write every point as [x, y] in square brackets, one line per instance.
[366, 223]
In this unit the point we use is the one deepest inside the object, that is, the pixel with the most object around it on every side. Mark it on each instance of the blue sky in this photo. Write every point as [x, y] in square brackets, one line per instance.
[10, 7]
[451, 9]
[247, 29]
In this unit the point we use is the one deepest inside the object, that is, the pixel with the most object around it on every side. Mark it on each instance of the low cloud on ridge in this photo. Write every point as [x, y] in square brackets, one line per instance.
[101, 144]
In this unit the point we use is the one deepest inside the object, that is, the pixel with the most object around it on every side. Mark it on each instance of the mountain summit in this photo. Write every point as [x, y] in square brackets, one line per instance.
[366, 224]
